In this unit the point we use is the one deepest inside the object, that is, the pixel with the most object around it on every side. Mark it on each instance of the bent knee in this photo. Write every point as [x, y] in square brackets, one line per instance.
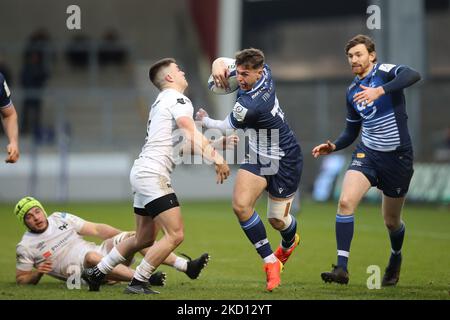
[91, 259]
[346, 206]
[242, 211]
[175, 238]
[276, 223]
[142, 243]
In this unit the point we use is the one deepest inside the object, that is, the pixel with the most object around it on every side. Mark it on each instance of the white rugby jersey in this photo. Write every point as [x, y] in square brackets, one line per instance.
[157, 153]
[60, 243]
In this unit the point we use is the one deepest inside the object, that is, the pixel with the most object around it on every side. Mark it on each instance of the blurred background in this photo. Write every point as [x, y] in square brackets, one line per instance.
[82, 96]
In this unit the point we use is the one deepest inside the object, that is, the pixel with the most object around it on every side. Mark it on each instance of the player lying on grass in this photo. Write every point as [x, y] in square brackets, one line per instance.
[54, 245]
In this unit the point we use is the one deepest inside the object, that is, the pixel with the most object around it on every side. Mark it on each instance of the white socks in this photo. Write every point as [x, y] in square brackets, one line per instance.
[144, 271]
[180, 264]
[112, 259]
[270, 259]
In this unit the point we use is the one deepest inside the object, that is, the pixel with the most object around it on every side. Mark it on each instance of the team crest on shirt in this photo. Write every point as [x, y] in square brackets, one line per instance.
[367, 116]
[181, 100]
[360, 155]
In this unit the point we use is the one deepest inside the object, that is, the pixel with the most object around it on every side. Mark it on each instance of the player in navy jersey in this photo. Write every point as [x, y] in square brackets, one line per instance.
[383, 158]
[9, 120]
[273, 162]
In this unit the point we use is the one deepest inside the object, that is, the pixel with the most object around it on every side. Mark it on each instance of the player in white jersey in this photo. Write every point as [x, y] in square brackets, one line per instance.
[155, 201]
[55, 246]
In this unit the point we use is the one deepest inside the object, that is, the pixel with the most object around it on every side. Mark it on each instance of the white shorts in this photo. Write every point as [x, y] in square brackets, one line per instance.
[147, 187]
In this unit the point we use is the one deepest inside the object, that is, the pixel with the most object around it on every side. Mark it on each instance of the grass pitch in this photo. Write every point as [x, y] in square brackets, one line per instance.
[235, 270]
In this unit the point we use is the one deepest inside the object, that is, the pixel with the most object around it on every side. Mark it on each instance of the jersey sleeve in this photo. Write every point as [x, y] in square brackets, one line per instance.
[76, 222]
[351, 131]
[5, 94]
[24, 259]
[182, 108]
[242, 116]
[352, 115]
[398, 77]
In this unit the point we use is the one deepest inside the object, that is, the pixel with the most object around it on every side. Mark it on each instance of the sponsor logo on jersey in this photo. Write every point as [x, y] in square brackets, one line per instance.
[181, 100]
[47, 254]
[63, 226]
[356, 163]
[40, 245]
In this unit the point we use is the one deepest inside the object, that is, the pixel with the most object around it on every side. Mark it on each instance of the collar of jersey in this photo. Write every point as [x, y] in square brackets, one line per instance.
[369, 75]
[259, 83]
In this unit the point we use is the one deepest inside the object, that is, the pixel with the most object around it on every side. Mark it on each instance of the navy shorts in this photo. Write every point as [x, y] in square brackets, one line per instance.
[390, 171]
[282, 176]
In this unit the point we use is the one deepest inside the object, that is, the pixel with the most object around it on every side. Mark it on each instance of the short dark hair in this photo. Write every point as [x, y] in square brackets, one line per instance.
[361, 39]
[250, 58]
[156, 67]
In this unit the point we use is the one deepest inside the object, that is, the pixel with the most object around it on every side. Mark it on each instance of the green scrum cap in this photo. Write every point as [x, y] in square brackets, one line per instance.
[24, 205]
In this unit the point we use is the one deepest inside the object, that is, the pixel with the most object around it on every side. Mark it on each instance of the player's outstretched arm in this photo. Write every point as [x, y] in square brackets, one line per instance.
[225, 142]
[323, 149]
[207, 122]
[9, 120]
[202, 146]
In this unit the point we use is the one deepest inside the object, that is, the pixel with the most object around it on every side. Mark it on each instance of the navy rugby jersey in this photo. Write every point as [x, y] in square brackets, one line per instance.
[259, 109]
[4, 93]
[384, 121]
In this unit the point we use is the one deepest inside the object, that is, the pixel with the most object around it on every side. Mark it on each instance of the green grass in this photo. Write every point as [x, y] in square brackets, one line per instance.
[235, 270]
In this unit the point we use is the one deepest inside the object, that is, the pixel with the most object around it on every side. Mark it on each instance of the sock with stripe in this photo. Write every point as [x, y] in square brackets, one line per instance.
[256, 232]
[288, 234]
[396, 237]
[344, 235]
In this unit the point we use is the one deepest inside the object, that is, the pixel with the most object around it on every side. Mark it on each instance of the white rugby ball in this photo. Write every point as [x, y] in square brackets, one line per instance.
[232, 80]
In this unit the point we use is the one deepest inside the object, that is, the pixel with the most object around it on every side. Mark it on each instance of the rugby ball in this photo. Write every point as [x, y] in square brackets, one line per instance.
[232, 79]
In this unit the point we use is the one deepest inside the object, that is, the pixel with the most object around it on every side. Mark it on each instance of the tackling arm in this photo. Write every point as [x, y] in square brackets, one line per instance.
[202, 146]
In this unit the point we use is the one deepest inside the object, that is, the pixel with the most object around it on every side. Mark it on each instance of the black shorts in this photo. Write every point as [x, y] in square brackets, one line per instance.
[389, 171]
[159, 205]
